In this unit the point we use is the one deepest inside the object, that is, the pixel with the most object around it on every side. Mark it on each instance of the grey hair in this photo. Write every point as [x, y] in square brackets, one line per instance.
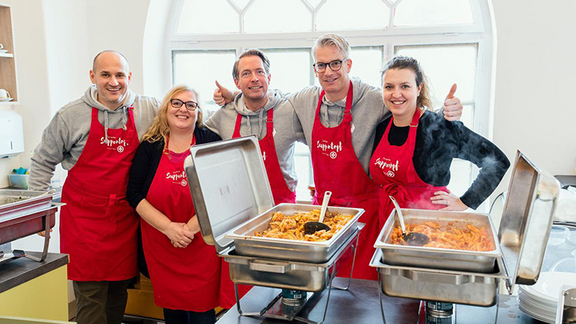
[332, 40]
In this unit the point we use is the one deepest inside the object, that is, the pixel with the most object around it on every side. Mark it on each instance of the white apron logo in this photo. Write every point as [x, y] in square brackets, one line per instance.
[388, 167]
[330, 149]
[119, 144]
[177, 177]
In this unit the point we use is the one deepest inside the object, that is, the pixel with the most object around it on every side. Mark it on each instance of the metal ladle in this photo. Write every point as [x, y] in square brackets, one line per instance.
[411, 238]
[313, 227]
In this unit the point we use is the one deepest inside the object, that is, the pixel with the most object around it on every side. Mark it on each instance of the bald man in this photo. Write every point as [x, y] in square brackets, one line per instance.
[95, 138]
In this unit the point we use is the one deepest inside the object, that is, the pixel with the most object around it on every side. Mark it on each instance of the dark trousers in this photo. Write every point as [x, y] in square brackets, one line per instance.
[100, 302]
[173, 316]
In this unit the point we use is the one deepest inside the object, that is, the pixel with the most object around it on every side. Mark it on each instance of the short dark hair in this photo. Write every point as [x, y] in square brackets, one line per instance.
[251, 52]
[406, 62]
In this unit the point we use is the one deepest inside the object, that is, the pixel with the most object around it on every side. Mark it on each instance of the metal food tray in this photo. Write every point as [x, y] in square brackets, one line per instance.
[439, 258]
[286, 274]
[23, 217]
[27, 201]
[313, 252]
[471, 288]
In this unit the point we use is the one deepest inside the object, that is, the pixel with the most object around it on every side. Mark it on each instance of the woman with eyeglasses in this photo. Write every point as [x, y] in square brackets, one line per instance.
[184, 271]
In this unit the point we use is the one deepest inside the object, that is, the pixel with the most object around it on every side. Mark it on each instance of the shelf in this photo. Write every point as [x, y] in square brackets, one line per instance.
[7, 55]
[8, 79]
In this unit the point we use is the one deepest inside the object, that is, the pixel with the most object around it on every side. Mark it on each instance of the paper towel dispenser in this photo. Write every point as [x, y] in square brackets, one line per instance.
[11, 134]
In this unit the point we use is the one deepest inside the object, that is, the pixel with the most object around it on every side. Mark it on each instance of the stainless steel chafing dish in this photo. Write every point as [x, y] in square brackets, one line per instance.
[522, 238]
[233, 199]
[437, 258]
[25, 212]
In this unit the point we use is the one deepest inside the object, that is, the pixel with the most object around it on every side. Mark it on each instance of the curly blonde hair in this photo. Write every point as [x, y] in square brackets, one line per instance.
[159, 129]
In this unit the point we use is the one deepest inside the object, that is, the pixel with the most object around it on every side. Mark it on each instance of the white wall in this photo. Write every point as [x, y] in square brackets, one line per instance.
[55, 42]
[535, 81]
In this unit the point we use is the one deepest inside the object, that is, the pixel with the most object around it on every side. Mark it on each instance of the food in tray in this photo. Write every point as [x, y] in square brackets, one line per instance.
[454, 235]
[9, 200]
[292, 226]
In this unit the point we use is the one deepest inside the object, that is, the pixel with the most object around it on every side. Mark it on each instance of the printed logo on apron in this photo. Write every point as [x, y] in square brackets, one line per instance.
[329, 148]
[388, 167]
[118, 144]
[177, 177]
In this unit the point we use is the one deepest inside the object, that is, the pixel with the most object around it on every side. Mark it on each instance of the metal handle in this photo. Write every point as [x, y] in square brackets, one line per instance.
[268, 266]
[438, 277]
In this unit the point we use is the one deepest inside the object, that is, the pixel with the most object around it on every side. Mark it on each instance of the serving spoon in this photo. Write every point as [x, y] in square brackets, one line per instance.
[411, 238]
[313, 227]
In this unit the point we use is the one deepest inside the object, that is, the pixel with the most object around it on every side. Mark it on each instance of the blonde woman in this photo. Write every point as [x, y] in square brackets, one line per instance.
[185, 272]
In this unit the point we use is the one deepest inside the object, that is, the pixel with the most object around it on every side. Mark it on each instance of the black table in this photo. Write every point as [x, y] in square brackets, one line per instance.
[361, 305]
[18, 271]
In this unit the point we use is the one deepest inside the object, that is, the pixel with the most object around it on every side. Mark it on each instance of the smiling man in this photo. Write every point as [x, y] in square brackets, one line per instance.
[266, 115]
[95, 138]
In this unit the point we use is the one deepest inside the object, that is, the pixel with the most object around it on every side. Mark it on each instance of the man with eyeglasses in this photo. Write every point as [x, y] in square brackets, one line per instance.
[95, 139]
[266, 115]
[339, 121]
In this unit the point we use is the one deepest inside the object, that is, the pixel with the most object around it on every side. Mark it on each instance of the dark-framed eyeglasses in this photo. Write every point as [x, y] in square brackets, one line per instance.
[190, 105]
[335, 65]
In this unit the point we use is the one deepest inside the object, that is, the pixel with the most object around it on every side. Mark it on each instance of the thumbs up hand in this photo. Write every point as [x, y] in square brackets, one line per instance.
[222, 95]
[452, 105]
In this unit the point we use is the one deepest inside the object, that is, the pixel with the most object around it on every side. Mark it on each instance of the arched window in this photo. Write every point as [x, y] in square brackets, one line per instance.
[451, 38]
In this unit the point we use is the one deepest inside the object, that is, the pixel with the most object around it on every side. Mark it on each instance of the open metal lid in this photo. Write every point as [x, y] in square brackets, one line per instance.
[526, 220]
[229, 186]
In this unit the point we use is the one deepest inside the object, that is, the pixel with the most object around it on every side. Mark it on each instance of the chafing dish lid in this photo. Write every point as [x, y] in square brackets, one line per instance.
[526, 220]
[229, 186]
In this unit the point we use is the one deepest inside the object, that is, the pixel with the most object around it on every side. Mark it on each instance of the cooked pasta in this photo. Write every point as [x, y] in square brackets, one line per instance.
[292, 226]
[454, 237]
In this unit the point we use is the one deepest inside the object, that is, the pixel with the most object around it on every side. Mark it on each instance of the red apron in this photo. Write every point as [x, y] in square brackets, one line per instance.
[392, 167]
[182, 278]
[337, 169]
[97, 225]
[280, 190]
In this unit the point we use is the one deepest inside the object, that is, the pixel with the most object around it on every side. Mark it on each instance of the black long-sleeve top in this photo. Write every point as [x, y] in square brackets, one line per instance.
[146, 163]
[438, 141]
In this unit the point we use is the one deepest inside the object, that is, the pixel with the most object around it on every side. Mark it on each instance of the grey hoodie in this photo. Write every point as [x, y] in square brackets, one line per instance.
[64, 138]
[286, 125]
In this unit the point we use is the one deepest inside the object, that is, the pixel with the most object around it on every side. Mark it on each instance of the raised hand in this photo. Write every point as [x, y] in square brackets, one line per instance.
[452, 105]
[222, 95]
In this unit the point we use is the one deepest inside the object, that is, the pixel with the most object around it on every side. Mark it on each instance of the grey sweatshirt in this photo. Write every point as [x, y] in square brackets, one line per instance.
[368, 110]
[64, 138]
[286, 125]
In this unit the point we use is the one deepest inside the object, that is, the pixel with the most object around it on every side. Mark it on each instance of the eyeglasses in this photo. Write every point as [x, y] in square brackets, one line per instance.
[335, 65]
[190, 105]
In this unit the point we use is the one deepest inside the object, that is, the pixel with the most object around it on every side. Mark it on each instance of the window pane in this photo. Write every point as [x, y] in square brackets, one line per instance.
[277, 16]
[198, 17]
[436, 12]
[445, 65]
[199, 70]
[240, 3]
[367, 64]
[303, 170]
[359, 14]
[290, 68]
